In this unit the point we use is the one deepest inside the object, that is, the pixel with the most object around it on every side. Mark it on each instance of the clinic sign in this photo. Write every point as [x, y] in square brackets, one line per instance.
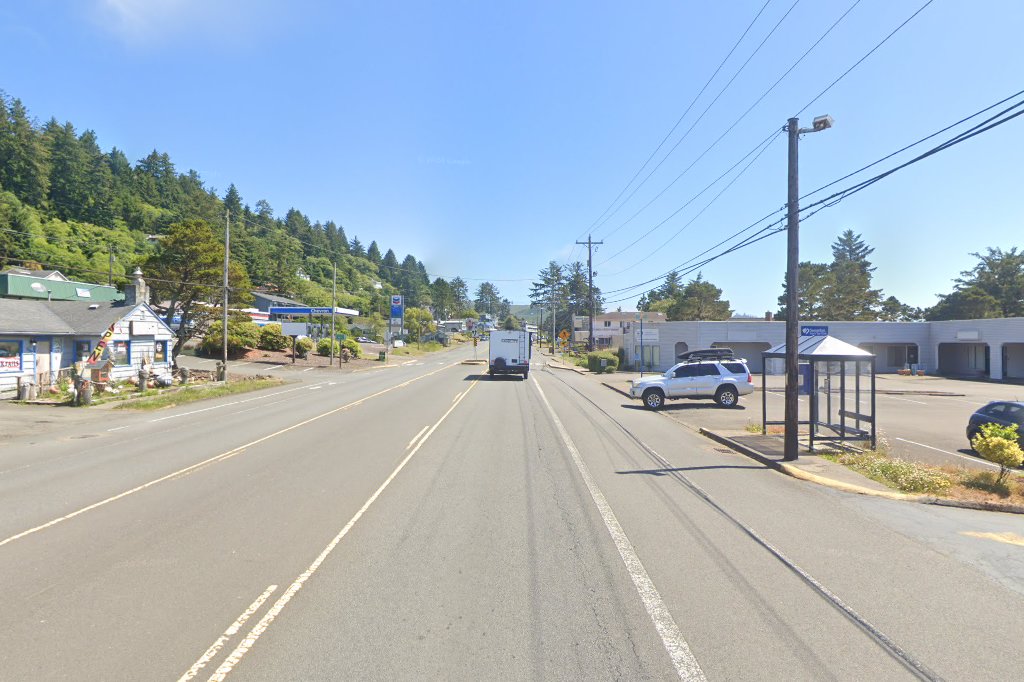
[813, 330]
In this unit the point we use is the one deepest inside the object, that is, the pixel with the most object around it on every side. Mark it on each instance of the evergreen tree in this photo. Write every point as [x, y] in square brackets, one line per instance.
[24, 168]
[487, 299]
[373, 253]
[233, 202]
[992, 288]
[355, 247]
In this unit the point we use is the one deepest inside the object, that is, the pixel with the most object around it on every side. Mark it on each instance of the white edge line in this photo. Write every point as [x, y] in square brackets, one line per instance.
[234, 402]
[215, 458]
[246, 644]
[678, 650]
[308, 368]
[977, 460]
[117, 428]
[230, 632]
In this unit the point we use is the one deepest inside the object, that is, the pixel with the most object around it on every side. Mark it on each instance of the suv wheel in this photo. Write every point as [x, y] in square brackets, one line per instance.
[654, 399]
[727, 396]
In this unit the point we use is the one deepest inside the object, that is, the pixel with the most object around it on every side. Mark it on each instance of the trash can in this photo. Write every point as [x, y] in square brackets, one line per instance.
[184, 375]
[383, 356]
[85, 393]
[222, 371]
[24, 391]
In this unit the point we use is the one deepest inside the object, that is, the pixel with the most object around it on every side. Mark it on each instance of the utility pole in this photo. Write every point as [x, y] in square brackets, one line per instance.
[552, 317]
[791, 447]
[110, 264]
[227, 252]
[590, 287]
[334, 304]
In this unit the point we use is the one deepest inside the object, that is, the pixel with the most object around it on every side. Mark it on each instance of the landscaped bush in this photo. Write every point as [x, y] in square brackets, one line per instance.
[353, 347]
[323, 347]
[271, 337]
[303, 346]
[602, 361]
[242, 335]
[998, 444]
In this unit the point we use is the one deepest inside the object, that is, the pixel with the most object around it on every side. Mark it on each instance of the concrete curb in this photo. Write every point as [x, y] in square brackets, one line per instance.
[616, 389]
[578, 370]
[798, 473]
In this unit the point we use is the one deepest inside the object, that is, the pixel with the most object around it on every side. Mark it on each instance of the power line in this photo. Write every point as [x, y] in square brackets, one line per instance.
[858, 62]
[683, 116]
[992, 122]
[756, 152]
[740, 118]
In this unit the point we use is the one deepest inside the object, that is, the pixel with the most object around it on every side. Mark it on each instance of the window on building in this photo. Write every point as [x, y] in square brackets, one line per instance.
[607, 323]
[83, 349]
[896, 356]
[160, 352]
[118, 352]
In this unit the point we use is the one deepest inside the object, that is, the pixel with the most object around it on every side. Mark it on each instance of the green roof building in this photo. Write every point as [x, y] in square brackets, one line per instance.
[51, 285]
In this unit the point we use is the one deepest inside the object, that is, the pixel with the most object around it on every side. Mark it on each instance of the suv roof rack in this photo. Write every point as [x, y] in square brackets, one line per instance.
[707, 354]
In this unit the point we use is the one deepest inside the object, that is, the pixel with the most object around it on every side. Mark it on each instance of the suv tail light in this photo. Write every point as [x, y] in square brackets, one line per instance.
[750, 379]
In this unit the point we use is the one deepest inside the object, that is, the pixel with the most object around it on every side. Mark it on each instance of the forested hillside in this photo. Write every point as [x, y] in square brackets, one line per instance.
[66, 204]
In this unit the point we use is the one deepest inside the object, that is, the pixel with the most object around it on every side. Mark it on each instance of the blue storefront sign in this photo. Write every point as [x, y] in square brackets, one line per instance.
[396, 306]
[813, 330]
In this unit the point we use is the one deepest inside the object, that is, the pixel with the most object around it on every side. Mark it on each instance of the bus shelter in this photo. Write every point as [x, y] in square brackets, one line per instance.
[839, 380]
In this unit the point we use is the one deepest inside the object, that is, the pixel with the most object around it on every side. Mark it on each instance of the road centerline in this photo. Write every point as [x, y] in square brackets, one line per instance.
[250, 640]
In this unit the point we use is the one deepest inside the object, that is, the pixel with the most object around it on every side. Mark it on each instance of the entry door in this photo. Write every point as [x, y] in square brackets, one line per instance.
[43, 363]
[681, 383]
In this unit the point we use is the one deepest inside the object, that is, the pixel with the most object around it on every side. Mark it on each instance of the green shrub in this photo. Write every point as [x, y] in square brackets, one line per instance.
[998, 444]
[242, 335]
[323, 347]
[271, 337]
[353, 347]
[303, 346]
[602, 361]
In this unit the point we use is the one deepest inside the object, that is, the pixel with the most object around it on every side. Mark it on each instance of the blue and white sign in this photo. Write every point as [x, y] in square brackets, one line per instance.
[396, 306]
[814, 330]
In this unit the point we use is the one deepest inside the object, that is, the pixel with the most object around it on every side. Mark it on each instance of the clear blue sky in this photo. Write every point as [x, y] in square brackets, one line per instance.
[485, 137]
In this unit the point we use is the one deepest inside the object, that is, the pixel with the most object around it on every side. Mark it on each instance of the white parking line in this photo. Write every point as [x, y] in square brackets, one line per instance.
[308, 368]
[906, 400]
[117, 428]
[977, 460]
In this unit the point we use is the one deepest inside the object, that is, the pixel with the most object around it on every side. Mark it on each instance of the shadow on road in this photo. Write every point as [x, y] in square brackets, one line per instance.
[677, 407]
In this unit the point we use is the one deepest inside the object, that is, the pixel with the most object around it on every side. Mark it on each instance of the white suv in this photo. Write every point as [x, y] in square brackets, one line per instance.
[724, 380]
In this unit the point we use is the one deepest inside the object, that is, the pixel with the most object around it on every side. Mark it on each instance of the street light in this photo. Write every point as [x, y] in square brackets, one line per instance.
[791, 445]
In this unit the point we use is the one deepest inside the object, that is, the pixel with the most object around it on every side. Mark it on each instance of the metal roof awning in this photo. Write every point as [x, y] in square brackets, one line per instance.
[821, 348]
[303, 310]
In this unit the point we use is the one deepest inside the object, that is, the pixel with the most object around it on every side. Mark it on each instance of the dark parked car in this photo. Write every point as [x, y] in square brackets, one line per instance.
[1005, 412]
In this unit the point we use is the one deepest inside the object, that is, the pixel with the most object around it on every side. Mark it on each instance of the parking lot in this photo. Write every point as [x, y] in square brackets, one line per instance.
[921, 418]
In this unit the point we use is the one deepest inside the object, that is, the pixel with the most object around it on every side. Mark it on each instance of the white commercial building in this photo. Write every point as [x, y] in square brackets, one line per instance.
[990, 348]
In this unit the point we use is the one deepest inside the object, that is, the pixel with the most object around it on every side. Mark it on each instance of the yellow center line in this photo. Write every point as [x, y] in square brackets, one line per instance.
[1008, 538]
[216, 458]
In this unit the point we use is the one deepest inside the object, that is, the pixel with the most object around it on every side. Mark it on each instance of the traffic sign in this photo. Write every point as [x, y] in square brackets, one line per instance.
[564, 334]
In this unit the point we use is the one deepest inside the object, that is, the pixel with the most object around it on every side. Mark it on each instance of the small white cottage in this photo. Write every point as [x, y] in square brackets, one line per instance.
[41, 340]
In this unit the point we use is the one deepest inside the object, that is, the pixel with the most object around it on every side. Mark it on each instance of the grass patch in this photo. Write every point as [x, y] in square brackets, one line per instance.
[907, 477]
[156, 399]
[956, 483]
[416, 349]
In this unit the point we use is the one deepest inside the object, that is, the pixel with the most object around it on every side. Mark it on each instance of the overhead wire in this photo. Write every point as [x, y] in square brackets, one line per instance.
[1002, 117]
[756, 153]
[700, 118]
[741, 117]
[681, 117]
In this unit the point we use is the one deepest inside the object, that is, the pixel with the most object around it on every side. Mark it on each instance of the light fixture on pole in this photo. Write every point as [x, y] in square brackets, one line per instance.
[791, 445]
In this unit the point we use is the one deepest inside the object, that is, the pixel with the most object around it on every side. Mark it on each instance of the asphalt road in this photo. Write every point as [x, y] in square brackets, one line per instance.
[425, 522]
